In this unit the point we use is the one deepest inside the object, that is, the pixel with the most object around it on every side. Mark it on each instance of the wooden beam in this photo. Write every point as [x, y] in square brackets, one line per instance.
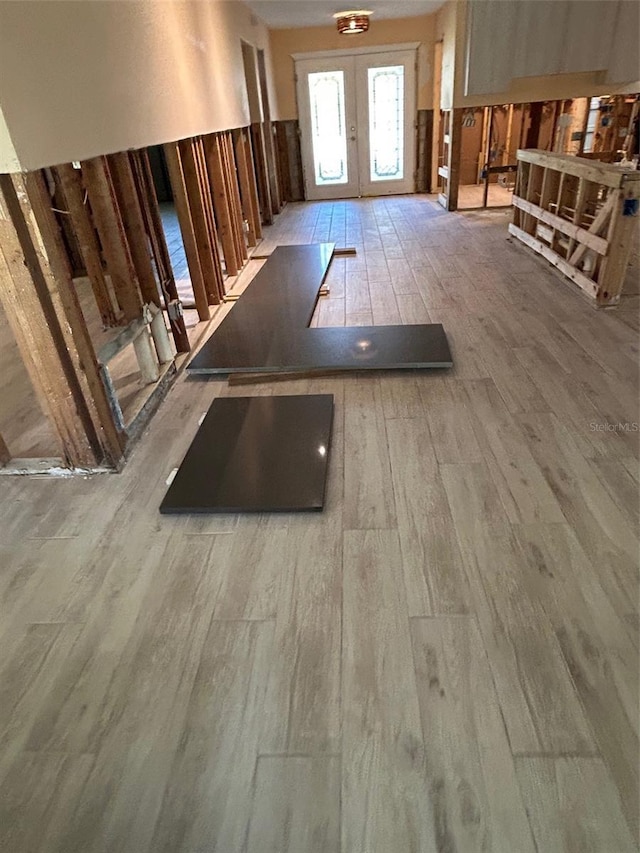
[564, 266]
[183, 209]
[126, 194]
[97, 181]
[535, 120]
[72, 253]
[71, 182]
[248, 191]
[74, 327]
[581, 235]
[215, 286]
[155, 231]
[601, 173]
[620, 236]
[455, 148]
[27, 299]
[221, 201]
[598, 225]
[234, 191]
[262, 174]
[206, 248]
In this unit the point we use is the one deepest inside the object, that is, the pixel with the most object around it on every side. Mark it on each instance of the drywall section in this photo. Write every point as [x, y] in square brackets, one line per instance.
[538, 50]
[82, 79]
[8, 157]
[306, 39]
[446, 31]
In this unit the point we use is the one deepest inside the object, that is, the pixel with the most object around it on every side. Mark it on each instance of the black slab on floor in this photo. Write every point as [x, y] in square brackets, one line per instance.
[267, 329]
[256, 454]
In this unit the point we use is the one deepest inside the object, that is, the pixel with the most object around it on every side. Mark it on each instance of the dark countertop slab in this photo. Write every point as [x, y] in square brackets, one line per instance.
[256, 454]
[336, 348]
[267, 329]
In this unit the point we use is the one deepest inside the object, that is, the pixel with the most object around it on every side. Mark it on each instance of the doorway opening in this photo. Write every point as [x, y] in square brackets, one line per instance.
[357, 121]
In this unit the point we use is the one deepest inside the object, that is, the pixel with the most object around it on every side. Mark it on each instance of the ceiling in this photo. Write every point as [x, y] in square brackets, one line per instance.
[279, 14]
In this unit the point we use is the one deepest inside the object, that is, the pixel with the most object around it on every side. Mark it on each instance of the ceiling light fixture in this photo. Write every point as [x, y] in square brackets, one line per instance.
[353, 22]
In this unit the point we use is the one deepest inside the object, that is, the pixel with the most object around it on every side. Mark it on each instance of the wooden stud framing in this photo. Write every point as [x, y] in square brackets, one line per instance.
[106, 214]
[290, 160]
[451, 170]
[248, 191]
[73, 324]
[126, 192]
[183, 209]
[60, 205]
[71, 182]
[43, 310]
[221, 201]
[619, 238]
[153, 224]
[563, 206]
[215, 284]
[235, 195]
[262, 174]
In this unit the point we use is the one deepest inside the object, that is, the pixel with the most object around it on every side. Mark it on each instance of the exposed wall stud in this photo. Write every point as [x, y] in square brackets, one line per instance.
[183, 209]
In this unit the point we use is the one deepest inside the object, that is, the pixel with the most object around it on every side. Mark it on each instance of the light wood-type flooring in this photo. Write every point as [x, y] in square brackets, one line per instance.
[445, 659]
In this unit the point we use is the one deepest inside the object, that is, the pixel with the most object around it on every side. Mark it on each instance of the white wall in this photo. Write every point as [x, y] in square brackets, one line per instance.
[507, 40]
[78, 79]
[8, 158]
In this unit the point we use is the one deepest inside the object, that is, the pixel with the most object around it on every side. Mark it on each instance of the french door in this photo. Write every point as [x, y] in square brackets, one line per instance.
[357, 122]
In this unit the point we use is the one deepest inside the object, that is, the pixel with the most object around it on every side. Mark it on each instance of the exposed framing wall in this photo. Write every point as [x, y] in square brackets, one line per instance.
[111, 212]
[579, 215]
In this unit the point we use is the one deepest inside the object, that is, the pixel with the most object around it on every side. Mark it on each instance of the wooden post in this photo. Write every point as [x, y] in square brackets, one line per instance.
[221, 202]
[183, 209]
[507, 144]
[620, 238]
[73, 324]
[201, 227]
[71, 182]
[97, 181]
[126, 196]
[487, 159]
[153, 222]
[27, 289]
[262, 175]
[455, 144]
[535, 119]
[234, 195]
[248, 193]
[217, 290]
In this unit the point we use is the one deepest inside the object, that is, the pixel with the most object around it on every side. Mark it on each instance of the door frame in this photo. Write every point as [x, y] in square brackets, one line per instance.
[350, 189]
[361, 159]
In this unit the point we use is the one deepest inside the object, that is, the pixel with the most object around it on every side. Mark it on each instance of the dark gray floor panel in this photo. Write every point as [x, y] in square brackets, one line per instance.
[256, 454]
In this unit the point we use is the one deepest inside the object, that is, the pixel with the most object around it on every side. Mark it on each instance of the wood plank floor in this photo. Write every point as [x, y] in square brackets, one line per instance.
[446, 659]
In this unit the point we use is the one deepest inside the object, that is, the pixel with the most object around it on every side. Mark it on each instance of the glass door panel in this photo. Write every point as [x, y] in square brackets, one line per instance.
[386, 122]
[386, 99]
[328, 128]
[326, 107]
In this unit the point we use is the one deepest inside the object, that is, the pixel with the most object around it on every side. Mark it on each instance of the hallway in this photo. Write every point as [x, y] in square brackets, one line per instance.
[444, 659]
